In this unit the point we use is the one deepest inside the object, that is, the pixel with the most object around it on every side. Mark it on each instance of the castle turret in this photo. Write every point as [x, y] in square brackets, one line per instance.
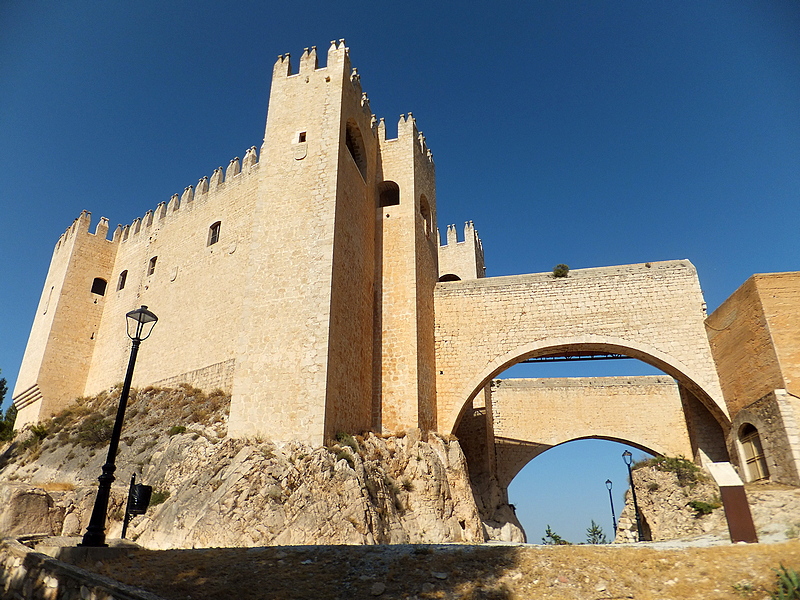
[59, 351]
[405, 386]
[461, 260]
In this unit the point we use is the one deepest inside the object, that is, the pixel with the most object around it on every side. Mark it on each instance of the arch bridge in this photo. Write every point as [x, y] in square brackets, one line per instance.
[653, 312]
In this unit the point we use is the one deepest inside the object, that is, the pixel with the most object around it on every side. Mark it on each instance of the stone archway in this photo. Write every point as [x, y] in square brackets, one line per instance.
[554, 347]
[653, 312]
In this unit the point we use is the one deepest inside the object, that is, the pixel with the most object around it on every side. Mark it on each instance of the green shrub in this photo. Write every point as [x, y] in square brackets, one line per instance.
[551, 538]
[344, 454]
[788, 585]
[345, 439]
[176, 429]
[561, 270]
[7, 422]
[159, 497]
[702, 508]
[95, 431]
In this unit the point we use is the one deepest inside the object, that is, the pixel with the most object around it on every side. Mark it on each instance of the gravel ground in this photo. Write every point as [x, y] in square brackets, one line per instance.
[638, 571]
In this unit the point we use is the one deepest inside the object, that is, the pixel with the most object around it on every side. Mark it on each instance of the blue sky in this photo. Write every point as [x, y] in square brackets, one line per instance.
[586, 133]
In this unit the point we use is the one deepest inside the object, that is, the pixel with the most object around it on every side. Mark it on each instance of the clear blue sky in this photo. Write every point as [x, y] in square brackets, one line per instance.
[588, 133]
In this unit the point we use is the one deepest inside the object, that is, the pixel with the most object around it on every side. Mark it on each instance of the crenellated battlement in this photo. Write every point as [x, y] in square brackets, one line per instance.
[406, 129]
[81, 226]
[205, 190]
[463, 259]
[338, 54]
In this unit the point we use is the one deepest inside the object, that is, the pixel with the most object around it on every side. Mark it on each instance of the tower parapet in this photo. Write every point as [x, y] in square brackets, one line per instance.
[461, 260]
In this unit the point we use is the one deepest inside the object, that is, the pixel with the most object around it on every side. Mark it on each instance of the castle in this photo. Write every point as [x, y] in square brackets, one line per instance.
[308, 280]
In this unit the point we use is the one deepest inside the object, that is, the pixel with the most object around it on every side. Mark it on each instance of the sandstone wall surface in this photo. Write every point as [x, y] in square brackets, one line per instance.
[533, 415]
[651, 311]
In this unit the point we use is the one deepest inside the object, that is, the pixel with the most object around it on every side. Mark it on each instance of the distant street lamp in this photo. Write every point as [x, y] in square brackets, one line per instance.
[611, 499]
[627, 457]
[140, 324]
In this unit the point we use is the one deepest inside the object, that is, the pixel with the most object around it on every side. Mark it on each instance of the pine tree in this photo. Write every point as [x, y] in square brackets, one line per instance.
[551, 538]
[6, 422]
[595, 535]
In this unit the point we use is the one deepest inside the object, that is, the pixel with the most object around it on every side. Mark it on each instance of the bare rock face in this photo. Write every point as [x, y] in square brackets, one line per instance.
[386, 490]
[667, 504]
[216, 491]
[27, 509]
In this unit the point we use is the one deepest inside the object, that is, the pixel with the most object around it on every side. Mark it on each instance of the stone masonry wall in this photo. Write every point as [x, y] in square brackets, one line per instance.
[743, 349]
[780, 296]
[462, 259]
[192, 281]
[541, 413]
[776, 416]
[651, 311]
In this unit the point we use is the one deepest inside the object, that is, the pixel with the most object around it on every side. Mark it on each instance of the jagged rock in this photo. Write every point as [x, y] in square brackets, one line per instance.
[411, 488]
[664, 504]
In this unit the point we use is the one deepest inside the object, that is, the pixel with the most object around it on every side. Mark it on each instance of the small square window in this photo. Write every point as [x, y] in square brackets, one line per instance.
[301, 137]
[99, 286]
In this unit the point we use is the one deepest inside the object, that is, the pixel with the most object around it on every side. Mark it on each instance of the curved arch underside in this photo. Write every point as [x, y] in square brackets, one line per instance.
[512, 456]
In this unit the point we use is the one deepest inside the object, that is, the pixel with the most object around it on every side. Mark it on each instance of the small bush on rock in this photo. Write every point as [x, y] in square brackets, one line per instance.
[561, 270]
[688, 473]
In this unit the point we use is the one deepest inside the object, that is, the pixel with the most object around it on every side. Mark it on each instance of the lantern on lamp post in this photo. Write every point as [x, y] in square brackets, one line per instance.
[609, 485]
[140, 325]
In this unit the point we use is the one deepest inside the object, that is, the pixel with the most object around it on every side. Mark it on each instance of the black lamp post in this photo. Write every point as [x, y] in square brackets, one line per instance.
[627, 457]
[140, 324]
[609, 485]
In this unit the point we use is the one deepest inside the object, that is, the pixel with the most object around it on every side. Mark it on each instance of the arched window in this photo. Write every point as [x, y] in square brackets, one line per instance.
[99, 286]
[151, 267]
[449, 277]
[389, 194]
[121, 281]
[355, 144]
[425, 211]
[755, 461]
[213, 233]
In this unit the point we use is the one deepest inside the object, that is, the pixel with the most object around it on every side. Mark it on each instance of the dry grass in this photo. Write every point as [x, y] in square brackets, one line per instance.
[56, 486]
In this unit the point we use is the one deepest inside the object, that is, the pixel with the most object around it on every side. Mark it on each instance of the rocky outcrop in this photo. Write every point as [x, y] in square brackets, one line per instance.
[667, 503]
[216, 491]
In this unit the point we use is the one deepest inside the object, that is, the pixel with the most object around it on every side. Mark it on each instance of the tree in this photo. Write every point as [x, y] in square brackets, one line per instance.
[595, 535]
[551, 538]
[6, 422]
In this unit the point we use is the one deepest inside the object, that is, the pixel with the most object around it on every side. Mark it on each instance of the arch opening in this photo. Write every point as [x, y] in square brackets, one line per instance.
[449, 277]
[388, 194]
[355, 145]
[564, 487]
[572, 350]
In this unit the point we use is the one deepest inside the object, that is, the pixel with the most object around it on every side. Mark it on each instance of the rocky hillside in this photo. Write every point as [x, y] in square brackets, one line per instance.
[212, 490]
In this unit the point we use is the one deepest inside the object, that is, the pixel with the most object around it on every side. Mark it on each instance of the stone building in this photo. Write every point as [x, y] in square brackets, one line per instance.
[308, 279]
[755, 339]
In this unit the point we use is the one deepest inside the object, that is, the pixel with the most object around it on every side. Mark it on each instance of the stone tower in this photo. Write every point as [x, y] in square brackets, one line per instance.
[62, 340]
[319, 284]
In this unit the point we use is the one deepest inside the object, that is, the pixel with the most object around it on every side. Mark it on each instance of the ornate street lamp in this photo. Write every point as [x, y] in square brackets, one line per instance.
[140, 324]
[627, 457]
[609, 485]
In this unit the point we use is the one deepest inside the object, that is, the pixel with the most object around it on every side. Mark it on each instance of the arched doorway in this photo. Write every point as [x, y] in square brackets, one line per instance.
[754, 460]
